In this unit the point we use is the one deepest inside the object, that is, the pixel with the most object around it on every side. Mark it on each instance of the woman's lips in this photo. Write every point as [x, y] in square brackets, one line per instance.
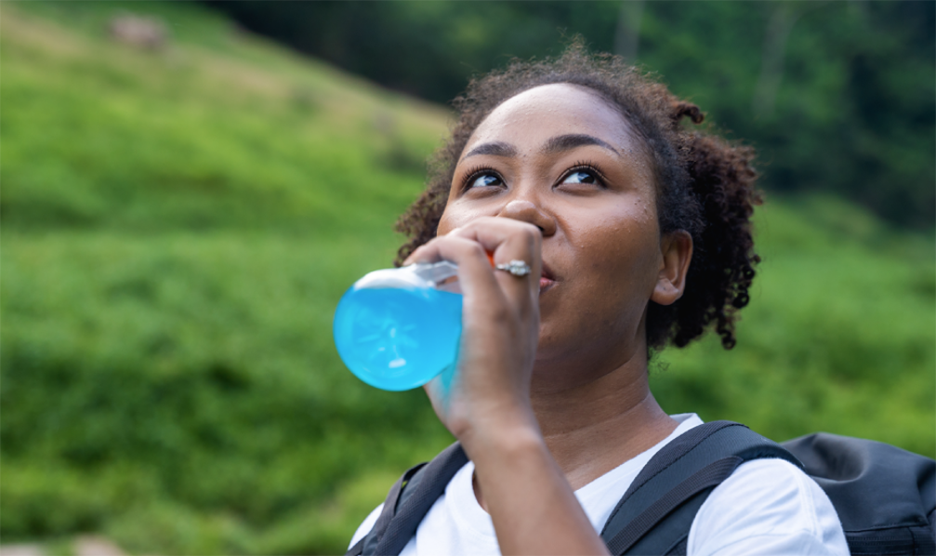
[545, 283]
[546, 279]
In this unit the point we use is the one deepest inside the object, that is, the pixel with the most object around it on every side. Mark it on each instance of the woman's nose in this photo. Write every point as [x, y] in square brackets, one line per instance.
[525, 211]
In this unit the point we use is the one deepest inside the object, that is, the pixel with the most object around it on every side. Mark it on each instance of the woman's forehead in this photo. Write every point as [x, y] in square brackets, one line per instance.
[533, 117]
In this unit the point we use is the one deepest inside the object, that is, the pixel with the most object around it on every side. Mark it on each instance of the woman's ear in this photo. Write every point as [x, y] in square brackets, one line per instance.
[676, 248]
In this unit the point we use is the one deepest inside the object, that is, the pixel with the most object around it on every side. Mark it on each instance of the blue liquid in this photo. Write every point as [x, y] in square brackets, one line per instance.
[395, 338]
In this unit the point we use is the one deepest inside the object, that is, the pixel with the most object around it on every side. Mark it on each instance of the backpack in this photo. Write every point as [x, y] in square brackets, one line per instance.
[885, 497]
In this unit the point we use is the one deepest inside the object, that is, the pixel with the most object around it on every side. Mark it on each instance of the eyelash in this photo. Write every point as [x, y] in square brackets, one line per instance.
[578, 166]
[477, 172]
[582, 165]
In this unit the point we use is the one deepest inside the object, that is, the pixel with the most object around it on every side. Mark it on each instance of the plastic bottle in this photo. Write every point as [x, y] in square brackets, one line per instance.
[397, 328]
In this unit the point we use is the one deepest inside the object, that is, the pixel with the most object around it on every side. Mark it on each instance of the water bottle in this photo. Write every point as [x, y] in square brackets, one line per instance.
[397, 328]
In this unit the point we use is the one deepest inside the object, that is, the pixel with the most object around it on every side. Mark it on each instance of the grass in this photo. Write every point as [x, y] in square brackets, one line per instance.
[178, 226]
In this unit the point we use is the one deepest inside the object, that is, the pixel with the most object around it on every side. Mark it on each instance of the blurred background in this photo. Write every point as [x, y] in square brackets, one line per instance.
[188, 188]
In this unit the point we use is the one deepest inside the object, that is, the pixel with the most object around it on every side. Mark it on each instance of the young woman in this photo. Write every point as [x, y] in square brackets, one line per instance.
[636, 232]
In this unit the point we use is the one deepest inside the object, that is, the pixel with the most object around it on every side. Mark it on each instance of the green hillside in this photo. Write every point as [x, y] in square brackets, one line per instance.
[178, 226]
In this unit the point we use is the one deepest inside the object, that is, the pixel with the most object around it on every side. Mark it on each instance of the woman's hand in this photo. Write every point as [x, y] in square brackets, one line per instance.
[490, 389]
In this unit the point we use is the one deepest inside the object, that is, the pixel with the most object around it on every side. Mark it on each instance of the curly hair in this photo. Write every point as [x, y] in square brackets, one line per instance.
[705, 185]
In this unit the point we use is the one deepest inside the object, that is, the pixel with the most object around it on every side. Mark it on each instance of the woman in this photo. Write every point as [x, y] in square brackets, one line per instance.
[636, 232]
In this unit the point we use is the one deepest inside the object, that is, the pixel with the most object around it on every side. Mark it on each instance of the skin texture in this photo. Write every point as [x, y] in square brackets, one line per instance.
[551, 388]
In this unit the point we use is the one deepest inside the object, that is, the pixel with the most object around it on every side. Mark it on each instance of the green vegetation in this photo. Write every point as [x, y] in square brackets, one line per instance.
[836, 96]
[177, 228]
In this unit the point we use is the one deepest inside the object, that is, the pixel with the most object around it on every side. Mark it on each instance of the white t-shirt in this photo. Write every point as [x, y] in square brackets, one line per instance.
[767, 506]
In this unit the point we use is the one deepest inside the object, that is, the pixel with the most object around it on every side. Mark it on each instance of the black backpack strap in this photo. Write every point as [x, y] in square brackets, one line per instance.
[368, 542]
[655, 514]
[407, 503]
[358, 548]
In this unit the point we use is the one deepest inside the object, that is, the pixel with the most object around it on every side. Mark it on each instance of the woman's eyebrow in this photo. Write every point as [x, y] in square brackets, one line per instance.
[568, 142]
[555, 145]
[495, 149]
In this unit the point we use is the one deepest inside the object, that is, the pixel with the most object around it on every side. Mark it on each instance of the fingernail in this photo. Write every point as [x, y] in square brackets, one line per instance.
[408, 260]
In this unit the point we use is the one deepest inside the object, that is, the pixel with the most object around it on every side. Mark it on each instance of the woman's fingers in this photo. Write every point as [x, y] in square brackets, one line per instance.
[510, 240]
[507, 240]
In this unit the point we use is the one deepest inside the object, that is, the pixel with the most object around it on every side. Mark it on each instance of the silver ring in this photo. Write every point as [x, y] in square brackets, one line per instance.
[515, 267]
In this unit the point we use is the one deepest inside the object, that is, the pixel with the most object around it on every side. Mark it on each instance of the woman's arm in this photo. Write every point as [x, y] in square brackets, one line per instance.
[532, 505]
[485, 403]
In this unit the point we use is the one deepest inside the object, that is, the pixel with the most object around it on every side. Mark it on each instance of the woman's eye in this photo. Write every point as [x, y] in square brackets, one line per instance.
[486, 180]
[581, 176]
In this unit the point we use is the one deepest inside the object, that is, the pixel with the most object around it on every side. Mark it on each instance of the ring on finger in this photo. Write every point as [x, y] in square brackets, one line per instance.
[515, 267]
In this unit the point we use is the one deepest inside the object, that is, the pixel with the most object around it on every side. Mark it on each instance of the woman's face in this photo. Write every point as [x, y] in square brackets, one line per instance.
[560, 157]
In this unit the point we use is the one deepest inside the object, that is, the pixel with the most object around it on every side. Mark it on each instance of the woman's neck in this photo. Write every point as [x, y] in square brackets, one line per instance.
[593, 427]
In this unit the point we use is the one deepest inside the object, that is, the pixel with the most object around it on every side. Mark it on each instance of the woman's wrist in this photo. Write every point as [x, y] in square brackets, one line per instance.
[501, 432]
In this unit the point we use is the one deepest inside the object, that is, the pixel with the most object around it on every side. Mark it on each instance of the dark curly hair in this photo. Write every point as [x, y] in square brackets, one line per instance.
[705, 185]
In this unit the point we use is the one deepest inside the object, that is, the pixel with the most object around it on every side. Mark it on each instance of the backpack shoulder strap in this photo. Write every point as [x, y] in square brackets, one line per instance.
[408, 501]
[369, 541]
[656, 512]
